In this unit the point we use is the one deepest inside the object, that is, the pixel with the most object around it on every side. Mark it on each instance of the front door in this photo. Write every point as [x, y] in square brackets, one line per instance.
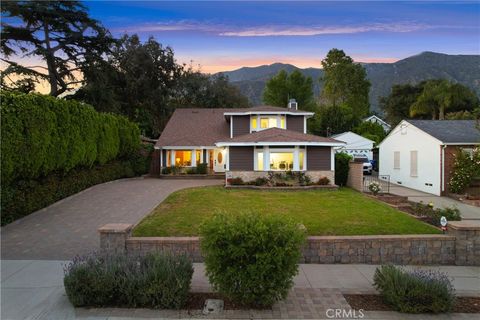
[219, 160]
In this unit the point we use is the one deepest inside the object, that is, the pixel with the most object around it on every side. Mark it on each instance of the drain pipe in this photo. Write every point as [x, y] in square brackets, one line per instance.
[443, 169]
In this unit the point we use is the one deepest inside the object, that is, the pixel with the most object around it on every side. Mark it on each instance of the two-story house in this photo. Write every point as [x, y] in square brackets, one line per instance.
[246, 142]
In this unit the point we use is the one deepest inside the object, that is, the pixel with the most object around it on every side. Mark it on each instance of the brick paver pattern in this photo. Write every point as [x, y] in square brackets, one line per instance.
[69, 227]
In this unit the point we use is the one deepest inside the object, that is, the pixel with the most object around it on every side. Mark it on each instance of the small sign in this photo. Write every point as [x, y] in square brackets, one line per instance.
[443, 221]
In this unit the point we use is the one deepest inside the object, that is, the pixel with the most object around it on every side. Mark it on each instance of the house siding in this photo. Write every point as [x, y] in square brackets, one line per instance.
[318, 158]
[241, 158]
[241, 125]
[155, 163]
[295, 123]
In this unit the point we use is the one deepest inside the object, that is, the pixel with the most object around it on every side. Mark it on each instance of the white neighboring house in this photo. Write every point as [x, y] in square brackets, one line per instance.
[375, 119]
[419, 154]
[356, 145]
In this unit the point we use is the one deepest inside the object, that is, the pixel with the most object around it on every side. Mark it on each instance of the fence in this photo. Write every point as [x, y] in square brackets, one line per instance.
[382, 180]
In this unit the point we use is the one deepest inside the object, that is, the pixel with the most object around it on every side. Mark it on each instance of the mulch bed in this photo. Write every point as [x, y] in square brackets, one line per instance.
[196, 301]
[374, 302]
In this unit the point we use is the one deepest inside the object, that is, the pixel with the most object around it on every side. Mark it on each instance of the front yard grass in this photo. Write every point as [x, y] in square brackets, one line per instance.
[341, 212]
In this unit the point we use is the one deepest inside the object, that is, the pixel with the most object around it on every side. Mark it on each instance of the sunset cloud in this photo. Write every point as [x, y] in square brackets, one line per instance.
[274, 30]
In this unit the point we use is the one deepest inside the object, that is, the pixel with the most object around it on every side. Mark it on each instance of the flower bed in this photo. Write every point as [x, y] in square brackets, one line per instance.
[288, 179]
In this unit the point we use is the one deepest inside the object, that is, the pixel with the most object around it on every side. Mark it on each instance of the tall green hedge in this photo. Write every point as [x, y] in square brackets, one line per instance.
[52, 148]
[42, 134]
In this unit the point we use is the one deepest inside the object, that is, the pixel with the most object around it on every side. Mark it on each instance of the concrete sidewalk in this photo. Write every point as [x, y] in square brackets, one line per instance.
[33, 289]
[467, 211]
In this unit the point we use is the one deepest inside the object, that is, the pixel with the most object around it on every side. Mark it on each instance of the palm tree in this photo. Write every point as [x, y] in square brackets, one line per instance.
[435, 99]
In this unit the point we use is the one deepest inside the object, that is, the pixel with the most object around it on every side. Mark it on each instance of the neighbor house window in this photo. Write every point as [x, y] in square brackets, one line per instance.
[183, 158]
[282, 122]
[281, 160]
[413, 163]
[396, 160]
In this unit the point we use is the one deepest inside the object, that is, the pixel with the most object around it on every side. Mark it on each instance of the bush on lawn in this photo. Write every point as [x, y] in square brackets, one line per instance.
[414, 291]
[434, 215]
[252, 258]
[152, 281]
[341, 168]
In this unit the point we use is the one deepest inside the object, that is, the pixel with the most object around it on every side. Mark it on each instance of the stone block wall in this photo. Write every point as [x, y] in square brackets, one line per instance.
[467, 235]
[396, 249]
[355, 176]
[252, 175]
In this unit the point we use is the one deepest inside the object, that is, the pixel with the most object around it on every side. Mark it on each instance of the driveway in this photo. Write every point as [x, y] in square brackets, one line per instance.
[69, 227]
[468, 212]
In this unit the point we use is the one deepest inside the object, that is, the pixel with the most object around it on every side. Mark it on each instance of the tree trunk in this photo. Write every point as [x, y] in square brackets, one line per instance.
[441, 113]
[50, 62]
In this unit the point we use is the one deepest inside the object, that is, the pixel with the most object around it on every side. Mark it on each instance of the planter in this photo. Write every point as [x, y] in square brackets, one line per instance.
[292, 188]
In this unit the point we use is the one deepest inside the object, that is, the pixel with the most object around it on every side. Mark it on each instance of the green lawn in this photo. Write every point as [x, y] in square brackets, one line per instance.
[342, 212]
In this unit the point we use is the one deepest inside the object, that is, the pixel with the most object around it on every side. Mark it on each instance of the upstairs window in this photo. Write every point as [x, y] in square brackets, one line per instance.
[258, 123]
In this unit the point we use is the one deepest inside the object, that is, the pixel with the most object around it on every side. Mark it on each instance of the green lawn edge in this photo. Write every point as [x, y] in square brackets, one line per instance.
[341, 212]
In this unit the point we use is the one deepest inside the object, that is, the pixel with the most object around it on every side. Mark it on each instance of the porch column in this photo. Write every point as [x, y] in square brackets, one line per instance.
[194, 157]
[266, 158]
[296, 159]
[172, 158]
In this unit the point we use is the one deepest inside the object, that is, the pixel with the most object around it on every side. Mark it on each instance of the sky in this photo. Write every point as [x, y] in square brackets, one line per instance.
[221, 36]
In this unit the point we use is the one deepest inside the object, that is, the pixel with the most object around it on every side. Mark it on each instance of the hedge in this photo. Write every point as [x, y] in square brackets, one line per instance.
[26, 196]
[42, 134]
[52, 148]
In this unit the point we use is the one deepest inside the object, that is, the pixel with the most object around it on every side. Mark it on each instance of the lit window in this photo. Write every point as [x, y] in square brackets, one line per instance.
[199, 156]
[301, 156]
[169, 158]
[282, 122]
[281, 161]
[260, 161]
[183, 158]
[264, 123]
[254, 123]
[272, 122]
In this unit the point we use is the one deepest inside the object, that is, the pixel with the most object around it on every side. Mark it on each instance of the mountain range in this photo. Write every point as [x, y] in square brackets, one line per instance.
[464, 69]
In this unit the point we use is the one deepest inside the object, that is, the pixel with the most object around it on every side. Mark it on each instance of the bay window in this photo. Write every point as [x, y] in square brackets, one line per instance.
[279, 159]
[183, 158]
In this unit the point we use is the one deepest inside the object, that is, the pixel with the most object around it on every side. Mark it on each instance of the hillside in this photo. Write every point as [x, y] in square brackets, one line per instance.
[464, 69]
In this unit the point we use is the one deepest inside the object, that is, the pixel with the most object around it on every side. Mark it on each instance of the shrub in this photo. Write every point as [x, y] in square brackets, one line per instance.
[202, 168]
[341, 168]
[152, 281]
[235, 181]
[414, 292]
[323, 181]
[374, 187]
[172, 170]
[251, 258]
[433, 215]
[465, 168]
[261, 181]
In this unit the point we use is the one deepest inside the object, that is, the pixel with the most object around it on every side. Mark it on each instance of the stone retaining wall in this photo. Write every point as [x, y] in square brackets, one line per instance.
[461, 246]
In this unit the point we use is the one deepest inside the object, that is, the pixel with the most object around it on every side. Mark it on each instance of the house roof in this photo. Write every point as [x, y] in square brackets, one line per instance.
[450, 131]
[195, 127]
[279, 136]
[377, 118]
[191, 127]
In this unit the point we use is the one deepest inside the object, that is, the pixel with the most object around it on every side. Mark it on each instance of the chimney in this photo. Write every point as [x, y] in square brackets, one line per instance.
[292, 104]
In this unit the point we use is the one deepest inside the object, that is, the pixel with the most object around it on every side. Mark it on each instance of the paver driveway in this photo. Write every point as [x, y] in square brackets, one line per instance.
[69, 227]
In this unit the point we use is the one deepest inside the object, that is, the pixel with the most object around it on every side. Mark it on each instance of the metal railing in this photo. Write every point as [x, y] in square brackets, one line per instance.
[382, 180]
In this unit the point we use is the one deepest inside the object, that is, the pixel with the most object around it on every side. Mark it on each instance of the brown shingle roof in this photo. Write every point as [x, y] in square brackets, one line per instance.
[279, 135]
[202, 126]
[195, 127]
